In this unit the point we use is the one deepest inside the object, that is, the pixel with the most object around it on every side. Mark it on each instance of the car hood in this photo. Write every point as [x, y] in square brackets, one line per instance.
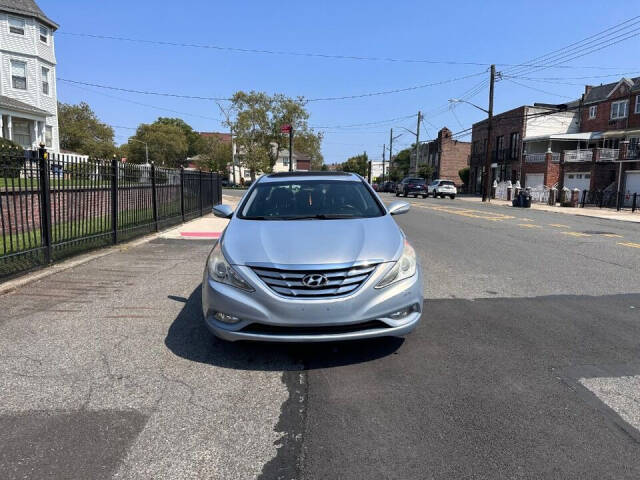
[312, 242]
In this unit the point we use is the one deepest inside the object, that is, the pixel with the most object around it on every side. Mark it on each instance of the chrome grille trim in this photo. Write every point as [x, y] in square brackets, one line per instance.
[288, 282]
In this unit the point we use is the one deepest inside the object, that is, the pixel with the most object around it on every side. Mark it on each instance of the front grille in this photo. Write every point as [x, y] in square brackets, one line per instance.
[313, 329]
[341, 281]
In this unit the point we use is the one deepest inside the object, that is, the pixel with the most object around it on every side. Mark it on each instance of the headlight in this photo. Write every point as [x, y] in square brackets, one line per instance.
[403, 268]
[221, 271]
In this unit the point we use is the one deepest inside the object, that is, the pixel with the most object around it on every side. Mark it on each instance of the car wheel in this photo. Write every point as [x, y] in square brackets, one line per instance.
[452, 196]
[397, 194]
[424, 196]
[415, 196]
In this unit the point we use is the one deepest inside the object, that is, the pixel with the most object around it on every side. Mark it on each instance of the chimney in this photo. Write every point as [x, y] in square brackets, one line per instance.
[587, 89]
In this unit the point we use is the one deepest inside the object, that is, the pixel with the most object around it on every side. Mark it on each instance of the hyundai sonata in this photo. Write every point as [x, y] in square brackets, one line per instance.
[310, 257]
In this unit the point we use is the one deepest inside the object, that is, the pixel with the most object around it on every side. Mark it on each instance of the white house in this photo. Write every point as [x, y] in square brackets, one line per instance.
[28, 98]
[301, 162]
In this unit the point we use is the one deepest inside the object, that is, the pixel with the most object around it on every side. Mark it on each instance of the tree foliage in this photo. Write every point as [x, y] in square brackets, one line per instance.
[82, 132]
[358, 164]
[400, 165]
[425, 171]
[256, 121]
[168, 144]
[194, 139]
[310, 144]
[463, 173]
[215, 154]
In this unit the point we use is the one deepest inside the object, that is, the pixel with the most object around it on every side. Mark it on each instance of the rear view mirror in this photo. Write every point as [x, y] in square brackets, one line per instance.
[223, 211]
[398, 208]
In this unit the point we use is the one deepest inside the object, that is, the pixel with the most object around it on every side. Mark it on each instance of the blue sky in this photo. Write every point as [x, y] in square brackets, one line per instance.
[463, 31]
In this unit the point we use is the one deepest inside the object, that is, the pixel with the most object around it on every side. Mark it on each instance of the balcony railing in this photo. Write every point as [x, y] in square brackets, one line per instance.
[578, 155]
[633, 152]
[535, 157]
[608, 154]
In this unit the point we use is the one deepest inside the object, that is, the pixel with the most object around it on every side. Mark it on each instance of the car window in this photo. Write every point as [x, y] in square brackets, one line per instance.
[417, 180]
[447, 182]
[293, 199]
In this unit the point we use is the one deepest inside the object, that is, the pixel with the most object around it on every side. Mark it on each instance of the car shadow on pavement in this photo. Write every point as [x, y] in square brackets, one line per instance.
[189, 338]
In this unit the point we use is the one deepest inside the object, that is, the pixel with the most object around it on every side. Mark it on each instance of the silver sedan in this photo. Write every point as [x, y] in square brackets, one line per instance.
[311, 257]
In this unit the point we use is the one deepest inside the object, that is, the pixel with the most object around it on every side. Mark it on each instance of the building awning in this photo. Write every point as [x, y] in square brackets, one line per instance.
[566, 137]
[12, 104]
[621, 133]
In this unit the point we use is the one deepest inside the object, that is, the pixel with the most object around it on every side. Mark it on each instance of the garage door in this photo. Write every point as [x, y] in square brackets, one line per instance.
[534, 180]
[631, 185]
[581, 181]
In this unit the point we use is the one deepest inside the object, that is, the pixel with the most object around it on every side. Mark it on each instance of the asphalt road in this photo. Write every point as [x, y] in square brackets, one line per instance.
[526, 365]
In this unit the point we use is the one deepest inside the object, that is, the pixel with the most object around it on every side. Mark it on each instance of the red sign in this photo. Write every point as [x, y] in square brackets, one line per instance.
[285, 128]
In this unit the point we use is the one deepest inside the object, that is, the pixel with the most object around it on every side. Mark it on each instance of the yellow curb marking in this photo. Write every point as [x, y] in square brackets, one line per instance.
[630, 244]
[528, 225]
[527, 219]
[576, 234]
[558, 225]
[612, 235]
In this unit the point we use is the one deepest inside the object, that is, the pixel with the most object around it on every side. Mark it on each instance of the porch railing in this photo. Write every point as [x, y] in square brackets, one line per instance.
[578, 155]
[608, 154]
[535, 157]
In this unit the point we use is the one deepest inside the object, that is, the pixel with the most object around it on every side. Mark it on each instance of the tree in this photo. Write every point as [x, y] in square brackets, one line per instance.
[194, 139]
[401, 162]
[216, 154]
[463, 173]
[168, 145]
[13, 159]
[358, 164]
[425, 171]
[309, 143]
[81, 131]
[257, 122]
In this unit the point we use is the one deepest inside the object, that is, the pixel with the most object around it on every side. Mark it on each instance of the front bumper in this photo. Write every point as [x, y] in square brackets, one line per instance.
[267, 316]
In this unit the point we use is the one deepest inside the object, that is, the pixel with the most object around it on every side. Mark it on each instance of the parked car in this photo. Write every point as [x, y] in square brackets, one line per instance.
[376, 187]
[412, 186]
[442, 188]
[389, 187]
[226, 183]
[309, 257]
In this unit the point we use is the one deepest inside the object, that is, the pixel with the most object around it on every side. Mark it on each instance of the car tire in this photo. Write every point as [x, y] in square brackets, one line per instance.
[397, 194]
[415, 196]
[425, 196]
[452, 197]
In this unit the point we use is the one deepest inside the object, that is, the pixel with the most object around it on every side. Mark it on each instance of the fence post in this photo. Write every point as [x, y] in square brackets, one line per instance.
[182, 192]
[584, 197]
[601, 198]
[154, 200]
[633, 203]
[200, 192]
[619, 199]
[114, 200]
[211, 174]
[45, 204]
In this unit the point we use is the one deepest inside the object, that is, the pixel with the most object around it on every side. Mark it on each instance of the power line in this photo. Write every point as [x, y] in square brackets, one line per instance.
[294, 53]
[537, 89]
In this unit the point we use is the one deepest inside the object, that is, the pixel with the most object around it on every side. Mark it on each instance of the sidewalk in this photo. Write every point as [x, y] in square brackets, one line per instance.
[205, 227]
[607, 213]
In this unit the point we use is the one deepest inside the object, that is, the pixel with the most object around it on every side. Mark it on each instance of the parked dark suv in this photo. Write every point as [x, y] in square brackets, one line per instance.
[412, 186]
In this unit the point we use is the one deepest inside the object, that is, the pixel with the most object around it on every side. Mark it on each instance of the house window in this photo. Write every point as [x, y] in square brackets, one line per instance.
[593, 111]
[285, 161]
[44, 34]
[515, 141]
[19, 74]
[637, 104]
[21, 134]
[619, 109]
[16, 25]
[48, 136]
[45, 80]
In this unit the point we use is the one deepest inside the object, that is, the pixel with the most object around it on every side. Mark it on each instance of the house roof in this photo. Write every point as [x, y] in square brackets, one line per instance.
[18, 106]
[601, 92]
[28, 8]
[224, 137]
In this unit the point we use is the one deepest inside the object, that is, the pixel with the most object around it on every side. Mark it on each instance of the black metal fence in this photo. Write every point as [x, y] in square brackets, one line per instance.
[610, 199]
[53, 206]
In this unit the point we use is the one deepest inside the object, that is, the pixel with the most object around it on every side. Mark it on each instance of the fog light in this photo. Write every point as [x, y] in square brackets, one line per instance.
[400, 314]
[225, 318]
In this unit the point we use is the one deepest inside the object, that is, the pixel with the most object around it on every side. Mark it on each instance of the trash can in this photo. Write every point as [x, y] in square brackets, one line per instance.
[526, 200]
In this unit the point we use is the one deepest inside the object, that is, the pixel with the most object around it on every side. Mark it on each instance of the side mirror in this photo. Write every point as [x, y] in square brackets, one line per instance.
[398, 208]
[223, 211]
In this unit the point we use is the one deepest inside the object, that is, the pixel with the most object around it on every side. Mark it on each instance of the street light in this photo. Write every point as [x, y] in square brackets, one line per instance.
[458, 100]
[146, 147]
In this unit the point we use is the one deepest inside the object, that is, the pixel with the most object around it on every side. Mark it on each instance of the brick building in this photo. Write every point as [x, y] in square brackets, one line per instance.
[604, 154]
[446, 155]
[508, 130]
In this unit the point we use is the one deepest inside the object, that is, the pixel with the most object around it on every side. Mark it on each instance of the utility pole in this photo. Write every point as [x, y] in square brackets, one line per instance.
[291, 148]
[384, 148]
[486, 193]
[390, 149]
[418, 141]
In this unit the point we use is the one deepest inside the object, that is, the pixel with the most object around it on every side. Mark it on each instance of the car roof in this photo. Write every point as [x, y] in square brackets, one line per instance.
[303, 176]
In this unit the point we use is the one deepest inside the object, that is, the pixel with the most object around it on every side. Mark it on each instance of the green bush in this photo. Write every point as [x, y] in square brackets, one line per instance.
[11, 159]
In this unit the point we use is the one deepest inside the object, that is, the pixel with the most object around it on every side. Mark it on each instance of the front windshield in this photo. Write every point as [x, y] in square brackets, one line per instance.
[313, 199]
